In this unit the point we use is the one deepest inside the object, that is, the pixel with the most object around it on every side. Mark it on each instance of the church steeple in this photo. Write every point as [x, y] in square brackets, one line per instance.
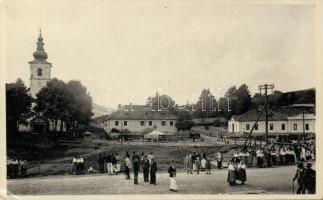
[40, 53]
[40, 68]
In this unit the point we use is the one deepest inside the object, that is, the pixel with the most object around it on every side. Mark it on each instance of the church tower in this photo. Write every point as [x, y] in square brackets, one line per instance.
[40, 68]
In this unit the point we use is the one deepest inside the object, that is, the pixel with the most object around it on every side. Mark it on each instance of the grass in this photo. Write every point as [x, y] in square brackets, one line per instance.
[58, 159]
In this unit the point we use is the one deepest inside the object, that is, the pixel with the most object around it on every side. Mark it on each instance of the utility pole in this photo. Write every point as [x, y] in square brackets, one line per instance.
[265, 87]
[304, 135]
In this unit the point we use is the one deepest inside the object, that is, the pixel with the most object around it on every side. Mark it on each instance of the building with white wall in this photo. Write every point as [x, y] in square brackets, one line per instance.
[136, 121]
[281, 121]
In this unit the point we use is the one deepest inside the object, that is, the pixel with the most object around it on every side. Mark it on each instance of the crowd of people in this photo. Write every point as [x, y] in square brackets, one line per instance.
[16, 168]
[77, 165]
[111, 161]
[197, 162]
[276, 155]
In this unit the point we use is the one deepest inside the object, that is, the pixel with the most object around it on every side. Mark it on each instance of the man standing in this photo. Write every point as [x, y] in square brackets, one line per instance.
[108, 160]
[198, 165]
[136, 166]
[128, 165]
[309, 179]
[153, 171]
[145, 168]
[189, 164]
[299, 176]
[219, 160]
[101, 163]
[114, 164]
[193, 161]
[150, 157]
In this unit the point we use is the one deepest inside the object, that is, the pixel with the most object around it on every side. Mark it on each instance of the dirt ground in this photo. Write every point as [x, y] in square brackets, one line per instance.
[259, 181]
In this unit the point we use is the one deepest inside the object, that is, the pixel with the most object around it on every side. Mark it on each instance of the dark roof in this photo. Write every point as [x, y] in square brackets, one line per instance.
[275, 114]
[252, 115]
[235, 117]
[142, 115]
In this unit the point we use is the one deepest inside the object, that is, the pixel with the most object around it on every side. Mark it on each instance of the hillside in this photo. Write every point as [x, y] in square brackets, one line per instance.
[99, 110]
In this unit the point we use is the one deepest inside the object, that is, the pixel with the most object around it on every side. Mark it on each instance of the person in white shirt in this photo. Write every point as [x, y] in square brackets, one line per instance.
[231, 174]
[74, 164]
[282, 156]
[203, 164]
[150, 157]
[128, 166]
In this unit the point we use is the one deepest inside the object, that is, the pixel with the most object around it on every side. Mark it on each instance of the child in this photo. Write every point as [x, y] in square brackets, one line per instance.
[172, 175]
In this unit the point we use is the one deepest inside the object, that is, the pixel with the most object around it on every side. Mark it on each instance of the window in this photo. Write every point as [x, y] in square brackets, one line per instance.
[116, 123]
[271, 127]
[247, 127]
[307, 127]
[295, 126]
[171, 123]
[256, 126]
[125, 123]
[283, 127]
[39, 72]
[163, 123]
[142, 123]
[150, 123]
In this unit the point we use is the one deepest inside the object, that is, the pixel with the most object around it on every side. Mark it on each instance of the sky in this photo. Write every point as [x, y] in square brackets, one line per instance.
[125, 51]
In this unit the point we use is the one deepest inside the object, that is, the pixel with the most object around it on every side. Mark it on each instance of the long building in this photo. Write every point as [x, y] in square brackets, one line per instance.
[138, 120]
[291, 120]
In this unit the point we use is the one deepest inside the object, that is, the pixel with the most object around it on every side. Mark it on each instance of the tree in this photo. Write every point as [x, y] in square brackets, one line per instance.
[229, 103]
[257, 100]
[244, 99]
[61, 102]
[161, 103]
[184, 121]
[52, 102]
[206, 106]
[18, 105]
[80, 105]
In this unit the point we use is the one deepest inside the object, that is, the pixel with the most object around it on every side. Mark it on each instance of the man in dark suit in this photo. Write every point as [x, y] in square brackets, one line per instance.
[145, 168]
[309, 179]
[101, 163]
[136, 166]
[299, 176]
[153, 171]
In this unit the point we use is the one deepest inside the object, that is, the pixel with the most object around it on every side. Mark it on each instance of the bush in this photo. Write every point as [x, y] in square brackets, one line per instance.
[125, 131]
[147, 130]
[114, 130]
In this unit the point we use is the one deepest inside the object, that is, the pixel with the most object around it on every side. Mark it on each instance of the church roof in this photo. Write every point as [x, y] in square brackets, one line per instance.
[40, 54]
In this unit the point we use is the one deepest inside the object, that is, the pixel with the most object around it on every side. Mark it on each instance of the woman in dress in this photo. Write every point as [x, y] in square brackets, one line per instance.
[219, 159]
[172, 175]
[203, 164]
[242, 175]
[231, 174]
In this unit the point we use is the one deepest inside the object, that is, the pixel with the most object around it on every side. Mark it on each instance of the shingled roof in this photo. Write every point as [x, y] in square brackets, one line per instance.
[142, 115]
[275, 114]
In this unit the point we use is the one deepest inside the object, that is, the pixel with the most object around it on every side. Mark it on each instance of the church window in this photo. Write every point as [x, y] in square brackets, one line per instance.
[39, 72]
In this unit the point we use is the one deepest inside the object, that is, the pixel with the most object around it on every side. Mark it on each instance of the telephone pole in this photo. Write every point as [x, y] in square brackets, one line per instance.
[265, 88]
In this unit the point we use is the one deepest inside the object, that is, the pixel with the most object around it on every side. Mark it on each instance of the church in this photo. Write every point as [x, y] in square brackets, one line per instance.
[40, 68]
[40, 74]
